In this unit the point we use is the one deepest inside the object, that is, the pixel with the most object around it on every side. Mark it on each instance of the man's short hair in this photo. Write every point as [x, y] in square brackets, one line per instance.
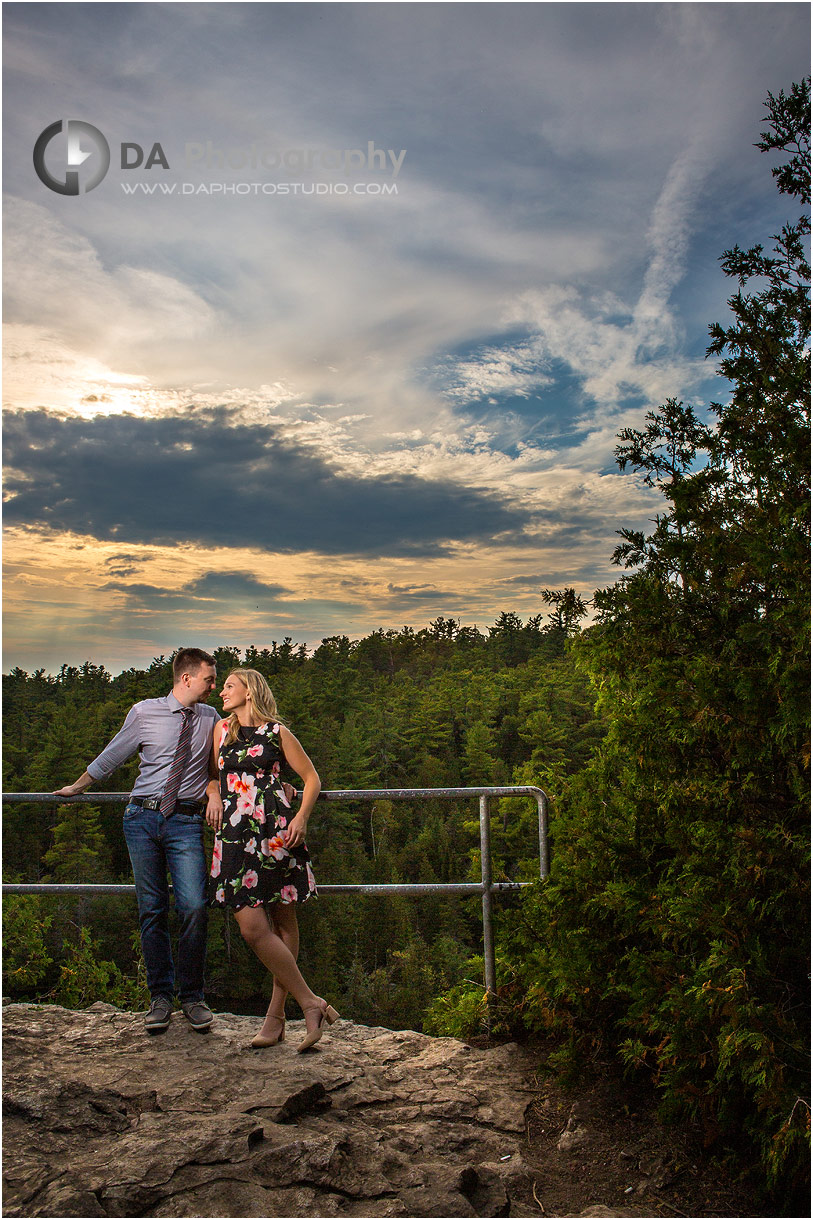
[189, 661]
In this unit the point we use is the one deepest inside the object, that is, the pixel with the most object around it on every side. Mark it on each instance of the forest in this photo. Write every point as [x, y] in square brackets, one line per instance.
[671, 733]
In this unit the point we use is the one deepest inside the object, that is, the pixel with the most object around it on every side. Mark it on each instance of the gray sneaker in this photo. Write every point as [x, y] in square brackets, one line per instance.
[157, 1019]
[198, 1014]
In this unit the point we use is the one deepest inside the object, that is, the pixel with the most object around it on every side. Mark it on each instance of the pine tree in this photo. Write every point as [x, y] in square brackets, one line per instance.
[678, 906]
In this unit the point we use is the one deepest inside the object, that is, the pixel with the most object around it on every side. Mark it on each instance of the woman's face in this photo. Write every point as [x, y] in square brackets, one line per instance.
[234, 694]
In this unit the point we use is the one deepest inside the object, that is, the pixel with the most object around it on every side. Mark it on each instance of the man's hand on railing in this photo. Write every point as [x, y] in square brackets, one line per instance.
[76, 788]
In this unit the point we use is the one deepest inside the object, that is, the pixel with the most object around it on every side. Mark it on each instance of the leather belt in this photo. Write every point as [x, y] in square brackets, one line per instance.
[154, 802]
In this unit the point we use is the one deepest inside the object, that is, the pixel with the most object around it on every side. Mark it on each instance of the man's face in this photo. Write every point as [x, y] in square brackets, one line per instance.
[201, 683]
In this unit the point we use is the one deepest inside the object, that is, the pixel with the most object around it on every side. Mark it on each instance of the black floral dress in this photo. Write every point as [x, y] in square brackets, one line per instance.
[251, 866]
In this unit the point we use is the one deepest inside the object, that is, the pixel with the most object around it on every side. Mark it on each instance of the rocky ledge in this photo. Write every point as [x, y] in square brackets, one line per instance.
[102, 1120]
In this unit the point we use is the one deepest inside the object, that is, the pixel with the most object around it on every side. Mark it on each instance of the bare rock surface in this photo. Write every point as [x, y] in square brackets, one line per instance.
[102, 1120]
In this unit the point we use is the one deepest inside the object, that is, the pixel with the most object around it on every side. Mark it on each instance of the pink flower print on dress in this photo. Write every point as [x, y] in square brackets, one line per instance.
[255, 751]
[275, 770]
[250, 879]
[220, 894]
[288, 893]
[276, 848]
[282, 822]
[251, 847]
[242, 784]
[244, 807]
[310, 876]
[259, 812]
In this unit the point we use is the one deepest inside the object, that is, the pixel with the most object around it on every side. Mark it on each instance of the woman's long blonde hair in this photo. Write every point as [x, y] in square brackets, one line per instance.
[263, 703]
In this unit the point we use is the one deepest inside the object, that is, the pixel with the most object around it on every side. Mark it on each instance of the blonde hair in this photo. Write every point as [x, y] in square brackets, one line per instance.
[263, 703]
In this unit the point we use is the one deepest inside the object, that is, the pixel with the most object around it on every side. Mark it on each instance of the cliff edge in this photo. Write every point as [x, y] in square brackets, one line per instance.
[103, 1120]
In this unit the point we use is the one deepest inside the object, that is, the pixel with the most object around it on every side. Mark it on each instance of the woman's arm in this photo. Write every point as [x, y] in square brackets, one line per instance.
[214, 804]
[296, 757]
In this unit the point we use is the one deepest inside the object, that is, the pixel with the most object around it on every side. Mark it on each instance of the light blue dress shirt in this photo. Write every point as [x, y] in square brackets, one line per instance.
[152, 728]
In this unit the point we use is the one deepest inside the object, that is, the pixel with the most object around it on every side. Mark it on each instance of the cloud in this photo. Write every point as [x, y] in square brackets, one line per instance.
[496, 370]
[236, 585]
[403, 594]
[112, 308]
[214, 481]
[623, 352]
[197, 594]
[126, 563]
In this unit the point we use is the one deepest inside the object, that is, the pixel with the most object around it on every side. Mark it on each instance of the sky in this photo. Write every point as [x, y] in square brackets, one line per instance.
[344, 336]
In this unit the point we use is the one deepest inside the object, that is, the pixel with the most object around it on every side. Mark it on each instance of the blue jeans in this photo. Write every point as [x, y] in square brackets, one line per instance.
[157, 844]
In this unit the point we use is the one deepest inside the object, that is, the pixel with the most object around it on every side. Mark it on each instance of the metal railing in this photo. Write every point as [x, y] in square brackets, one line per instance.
[486, 887]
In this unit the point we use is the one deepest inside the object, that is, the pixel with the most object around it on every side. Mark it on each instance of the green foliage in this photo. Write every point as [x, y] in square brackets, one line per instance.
[79, 852]
[464, 1012]
[85, 978]
[674, 929]
[26, 960]
[461, 1012]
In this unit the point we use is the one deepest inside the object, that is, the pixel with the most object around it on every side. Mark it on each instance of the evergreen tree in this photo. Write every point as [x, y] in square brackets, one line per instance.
[678, 905]
[79, 852]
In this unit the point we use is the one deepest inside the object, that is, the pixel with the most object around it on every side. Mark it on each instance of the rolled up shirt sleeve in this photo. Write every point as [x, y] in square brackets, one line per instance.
[123, 746]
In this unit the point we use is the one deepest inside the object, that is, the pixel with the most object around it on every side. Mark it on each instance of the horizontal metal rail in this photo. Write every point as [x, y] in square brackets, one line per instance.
[371, 890]
[485, 887]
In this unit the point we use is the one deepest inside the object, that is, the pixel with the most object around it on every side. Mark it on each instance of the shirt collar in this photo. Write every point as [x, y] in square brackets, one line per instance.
[175, 705]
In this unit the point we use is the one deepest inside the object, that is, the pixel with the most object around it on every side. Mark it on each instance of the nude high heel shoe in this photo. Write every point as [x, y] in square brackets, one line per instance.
[326, 1013]
[259, 1041]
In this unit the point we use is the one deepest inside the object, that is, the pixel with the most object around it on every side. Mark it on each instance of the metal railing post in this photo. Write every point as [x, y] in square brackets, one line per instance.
[489, 963]
[544, 858]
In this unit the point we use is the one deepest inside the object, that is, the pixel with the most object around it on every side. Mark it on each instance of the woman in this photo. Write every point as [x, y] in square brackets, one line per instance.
[260, 864]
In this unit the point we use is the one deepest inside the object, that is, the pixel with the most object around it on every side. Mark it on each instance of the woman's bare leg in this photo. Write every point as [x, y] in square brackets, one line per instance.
[284, 922]
[275, 955]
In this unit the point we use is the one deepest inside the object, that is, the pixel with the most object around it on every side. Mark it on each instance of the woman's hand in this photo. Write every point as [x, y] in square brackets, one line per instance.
[295, 833]
[214, 810]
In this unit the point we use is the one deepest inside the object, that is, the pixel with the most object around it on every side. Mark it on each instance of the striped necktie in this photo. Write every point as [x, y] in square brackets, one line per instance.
[179, 761]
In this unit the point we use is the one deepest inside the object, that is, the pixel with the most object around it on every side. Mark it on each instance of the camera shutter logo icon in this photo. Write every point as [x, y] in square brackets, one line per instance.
[87, 157]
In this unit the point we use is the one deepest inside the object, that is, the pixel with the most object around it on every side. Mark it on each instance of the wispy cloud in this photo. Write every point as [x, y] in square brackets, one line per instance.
[623, 351]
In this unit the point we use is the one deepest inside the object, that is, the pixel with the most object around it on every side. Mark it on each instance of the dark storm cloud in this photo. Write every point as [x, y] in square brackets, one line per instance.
[148, 597]
[221, 586]
[125, 564]
[211, 481]
[408, 593]
[232, 585]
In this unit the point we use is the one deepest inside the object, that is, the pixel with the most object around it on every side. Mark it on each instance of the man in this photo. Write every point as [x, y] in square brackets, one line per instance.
[163, 826]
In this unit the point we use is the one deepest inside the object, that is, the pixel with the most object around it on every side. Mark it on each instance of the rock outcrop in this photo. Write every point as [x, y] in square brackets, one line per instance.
[102, 1120]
